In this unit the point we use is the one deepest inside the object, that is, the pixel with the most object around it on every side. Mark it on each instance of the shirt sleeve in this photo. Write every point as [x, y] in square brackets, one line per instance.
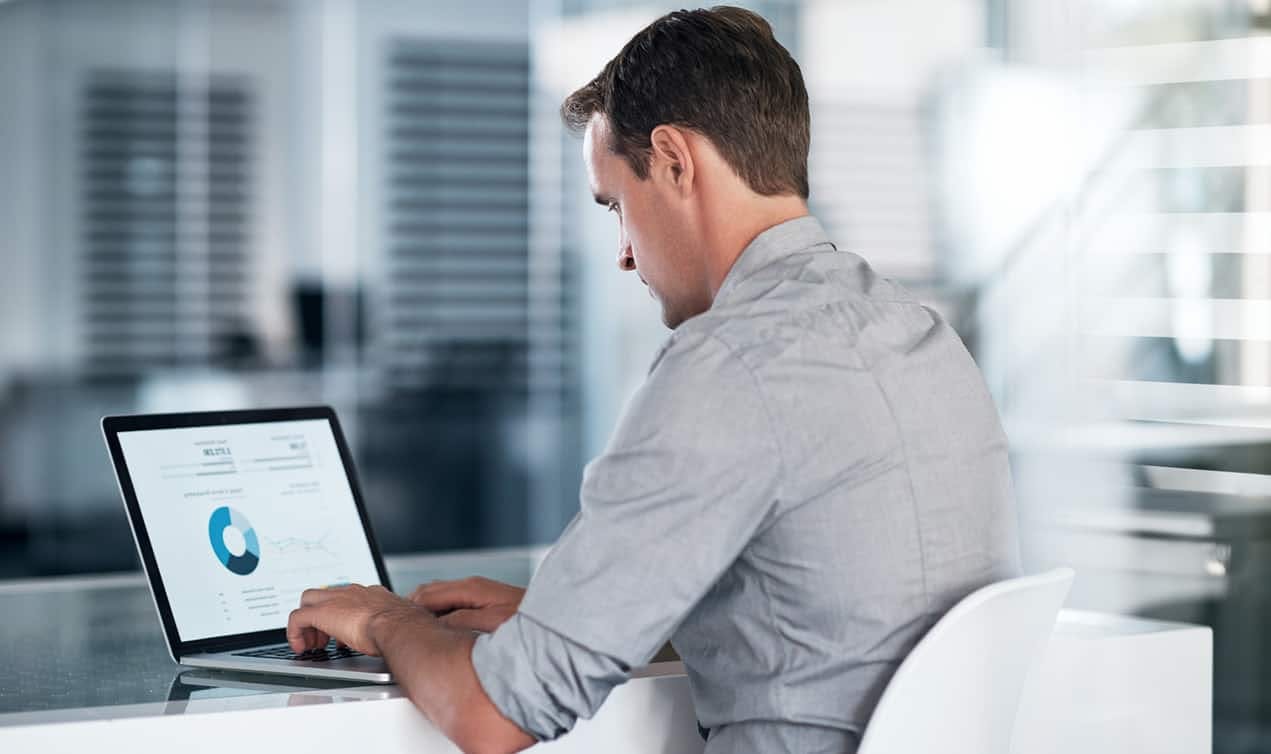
[540, 680]
[691, 474]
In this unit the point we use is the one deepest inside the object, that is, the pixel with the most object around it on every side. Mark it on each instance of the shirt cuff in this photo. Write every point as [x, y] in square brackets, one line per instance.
[540, 680]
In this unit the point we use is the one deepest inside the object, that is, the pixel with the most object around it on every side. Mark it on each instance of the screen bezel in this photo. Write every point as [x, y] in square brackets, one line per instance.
[113, 425]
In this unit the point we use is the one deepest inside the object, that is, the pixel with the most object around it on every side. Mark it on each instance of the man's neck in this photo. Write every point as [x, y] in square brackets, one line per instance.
[738, 225]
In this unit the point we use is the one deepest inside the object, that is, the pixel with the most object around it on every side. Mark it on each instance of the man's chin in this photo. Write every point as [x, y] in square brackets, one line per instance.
[671, 319]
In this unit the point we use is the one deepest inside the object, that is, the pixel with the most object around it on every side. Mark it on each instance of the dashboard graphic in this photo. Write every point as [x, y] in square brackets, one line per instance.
[233, 540]
[274, 503]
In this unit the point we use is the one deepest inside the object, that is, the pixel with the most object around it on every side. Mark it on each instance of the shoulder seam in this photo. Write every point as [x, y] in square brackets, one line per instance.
[781, 495]
[913, 493]
[767, 410]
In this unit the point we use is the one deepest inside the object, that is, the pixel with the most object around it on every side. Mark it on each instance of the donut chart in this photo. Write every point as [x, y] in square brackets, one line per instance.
[226, 521]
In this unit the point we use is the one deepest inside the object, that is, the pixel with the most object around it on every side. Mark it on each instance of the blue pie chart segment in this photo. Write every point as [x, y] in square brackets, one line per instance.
[224, 518]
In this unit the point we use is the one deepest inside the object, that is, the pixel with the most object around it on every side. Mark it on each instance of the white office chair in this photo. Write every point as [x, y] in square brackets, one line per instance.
[959, 689]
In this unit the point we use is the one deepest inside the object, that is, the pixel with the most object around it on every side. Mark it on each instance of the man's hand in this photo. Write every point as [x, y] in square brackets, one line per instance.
[346, 613]
[431, 662]
[476, 604]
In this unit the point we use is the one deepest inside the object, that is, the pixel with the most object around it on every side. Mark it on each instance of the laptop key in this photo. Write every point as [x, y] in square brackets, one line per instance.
[324, 654]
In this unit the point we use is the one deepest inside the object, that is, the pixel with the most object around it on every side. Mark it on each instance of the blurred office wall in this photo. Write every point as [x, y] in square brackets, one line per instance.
[233, 204]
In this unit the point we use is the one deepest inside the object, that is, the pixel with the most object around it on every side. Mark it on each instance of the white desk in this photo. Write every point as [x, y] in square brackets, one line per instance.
[649, 714]
[1106, 685]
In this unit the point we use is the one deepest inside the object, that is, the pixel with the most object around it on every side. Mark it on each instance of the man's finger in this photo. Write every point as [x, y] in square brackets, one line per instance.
[296, 629]
[302, 632]
[320, 638]
[435, 587]
[311, 597]
[470, 585]
[464, 619]
[485, 620]
[446, 596]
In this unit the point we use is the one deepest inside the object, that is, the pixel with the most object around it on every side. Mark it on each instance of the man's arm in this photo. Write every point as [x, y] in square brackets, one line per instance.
[431, 662]
[692, 473]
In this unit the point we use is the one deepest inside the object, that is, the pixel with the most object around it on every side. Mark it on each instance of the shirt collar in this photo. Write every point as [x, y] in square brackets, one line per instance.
[781, 240]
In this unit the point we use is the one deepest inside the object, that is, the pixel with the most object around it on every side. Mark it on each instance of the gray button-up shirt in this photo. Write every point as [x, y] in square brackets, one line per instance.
[811, 475]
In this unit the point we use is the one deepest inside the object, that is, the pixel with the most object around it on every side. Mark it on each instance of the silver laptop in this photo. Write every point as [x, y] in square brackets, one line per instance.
[236, 513]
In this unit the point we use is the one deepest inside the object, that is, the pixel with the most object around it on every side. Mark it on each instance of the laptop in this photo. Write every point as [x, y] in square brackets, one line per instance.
[235, 513]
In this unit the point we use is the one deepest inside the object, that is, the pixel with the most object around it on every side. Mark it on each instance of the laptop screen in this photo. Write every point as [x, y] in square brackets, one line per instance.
[244, 517]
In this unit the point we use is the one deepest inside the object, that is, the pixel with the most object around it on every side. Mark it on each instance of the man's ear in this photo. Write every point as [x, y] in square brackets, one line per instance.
[672, 156]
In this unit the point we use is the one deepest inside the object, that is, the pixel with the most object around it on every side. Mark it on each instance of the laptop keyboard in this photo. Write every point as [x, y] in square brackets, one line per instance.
[321, 654]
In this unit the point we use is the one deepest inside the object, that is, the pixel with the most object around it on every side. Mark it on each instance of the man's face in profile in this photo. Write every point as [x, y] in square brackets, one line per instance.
[650, 227]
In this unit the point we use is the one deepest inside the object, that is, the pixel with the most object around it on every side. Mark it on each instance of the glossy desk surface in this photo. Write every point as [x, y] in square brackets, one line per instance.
[84, 667]
[91, 648]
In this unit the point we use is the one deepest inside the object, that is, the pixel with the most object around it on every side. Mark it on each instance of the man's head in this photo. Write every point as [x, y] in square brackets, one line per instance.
[695, 132]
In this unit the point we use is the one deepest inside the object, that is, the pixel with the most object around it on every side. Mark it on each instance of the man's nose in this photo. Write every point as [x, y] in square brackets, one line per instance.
[626, 259]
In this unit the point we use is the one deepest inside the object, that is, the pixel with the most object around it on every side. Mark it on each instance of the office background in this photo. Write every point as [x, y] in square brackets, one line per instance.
[222, 204]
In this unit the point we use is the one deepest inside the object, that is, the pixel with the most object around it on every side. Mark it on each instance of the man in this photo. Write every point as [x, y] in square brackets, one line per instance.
[812, 474]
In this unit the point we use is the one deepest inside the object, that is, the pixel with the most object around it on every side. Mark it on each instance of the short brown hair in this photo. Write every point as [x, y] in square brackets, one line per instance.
[719, 72]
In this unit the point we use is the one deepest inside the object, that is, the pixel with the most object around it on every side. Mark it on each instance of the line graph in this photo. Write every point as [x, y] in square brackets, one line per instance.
[301, 545]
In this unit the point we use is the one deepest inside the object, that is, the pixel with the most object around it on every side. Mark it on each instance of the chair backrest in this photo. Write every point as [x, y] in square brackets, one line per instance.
[958, 691]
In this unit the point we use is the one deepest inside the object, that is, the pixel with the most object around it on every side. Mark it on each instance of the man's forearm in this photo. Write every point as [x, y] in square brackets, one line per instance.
[433, 664]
